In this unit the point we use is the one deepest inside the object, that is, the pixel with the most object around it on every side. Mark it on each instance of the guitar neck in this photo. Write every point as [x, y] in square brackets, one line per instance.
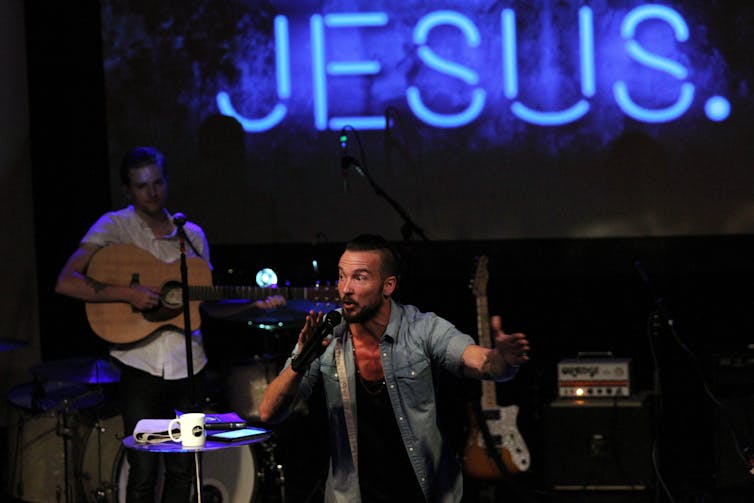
[489, 393]
[223, 292]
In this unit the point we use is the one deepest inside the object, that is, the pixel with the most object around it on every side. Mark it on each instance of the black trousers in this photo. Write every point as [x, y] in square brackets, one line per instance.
[144, 396]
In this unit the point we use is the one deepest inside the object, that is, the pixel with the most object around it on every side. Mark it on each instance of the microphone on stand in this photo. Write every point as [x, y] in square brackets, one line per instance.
[179, 219]
[344, 162]
[313, 347]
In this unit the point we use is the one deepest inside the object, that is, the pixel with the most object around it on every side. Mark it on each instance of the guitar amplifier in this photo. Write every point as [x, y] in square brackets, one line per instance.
[594, 378]
[599, 445]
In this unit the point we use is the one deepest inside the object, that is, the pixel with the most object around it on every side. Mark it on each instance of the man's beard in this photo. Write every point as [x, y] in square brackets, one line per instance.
[366, 313]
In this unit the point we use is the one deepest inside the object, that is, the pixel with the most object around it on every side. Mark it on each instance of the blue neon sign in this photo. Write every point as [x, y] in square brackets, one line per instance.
[652, 81]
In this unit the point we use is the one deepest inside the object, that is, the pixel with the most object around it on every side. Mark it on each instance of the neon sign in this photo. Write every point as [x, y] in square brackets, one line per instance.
[647, 53]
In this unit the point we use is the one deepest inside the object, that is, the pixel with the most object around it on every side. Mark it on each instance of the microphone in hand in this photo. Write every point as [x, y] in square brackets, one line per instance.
[313, 346]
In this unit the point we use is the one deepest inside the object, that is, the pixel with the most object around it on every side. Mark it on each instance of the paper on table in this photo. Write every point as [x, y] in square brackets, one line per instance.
[152, 431]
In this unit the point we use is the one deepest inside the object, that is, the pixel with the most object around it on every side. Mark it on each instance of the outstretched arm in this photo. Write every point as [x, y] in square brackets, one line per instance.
[499, 362]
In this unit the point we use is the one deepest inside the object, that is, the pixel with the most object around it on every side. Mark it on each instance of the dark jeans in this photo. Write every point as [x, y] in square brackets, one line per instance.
[144, 396]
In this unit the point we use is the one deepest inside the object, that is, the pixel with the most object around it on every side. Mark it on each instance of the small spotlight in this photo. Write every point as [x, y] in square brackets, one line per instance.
[579, 391]
[267, 278]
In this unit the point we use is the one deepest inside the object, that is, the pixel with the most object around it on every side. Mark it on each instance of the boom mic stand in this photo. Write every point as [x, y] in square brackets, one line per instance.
[409, 226]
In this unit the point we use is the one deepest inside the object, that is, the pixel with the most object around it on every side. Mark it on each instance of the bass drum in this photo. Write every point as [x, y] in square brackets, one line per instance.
[37, 458]
[229, 475]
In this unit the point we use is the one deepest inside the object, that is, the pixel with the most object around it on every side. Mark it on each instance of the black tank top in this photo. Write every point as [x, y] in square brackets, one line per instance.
[385, 472]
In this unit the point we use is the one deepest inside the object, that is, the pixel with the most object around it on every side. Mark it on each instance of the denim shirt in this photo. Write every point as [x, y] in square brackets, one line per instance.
[413, 344]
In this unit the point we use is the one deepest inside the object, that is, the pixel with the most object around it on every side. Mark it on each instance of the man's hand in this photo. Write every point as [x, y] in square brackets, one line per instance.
[271, 302]
[514, 348]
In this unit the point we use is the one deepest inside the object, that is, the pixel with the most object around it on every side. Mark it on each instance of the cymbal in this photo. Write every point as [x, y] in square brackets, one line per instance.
[7, 344]
[79, 370]
[53, 395]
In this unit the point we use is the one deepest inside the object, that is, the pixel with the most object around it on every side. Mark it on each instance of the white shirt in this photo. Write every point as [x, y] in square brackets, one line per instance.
[163, 354]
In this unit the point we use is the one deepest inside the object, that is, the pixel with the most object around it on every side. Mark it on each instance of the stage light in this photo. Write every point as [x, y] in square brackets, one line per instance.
[267, 278]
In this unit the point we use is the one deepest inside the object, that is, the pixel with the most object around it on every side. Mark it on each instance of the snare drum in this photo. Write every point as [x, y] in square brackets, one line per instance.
[230, 475]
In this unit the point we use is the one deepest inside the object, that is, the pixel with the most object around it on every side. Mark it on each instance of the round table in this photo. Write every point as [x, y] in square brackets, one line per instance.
[210, 445]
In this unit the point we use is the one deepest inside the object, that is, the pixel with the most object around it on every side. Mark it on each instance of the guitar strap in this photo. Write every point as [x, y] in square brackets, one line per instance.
[518, 493]
[489, 442]
[346, 397]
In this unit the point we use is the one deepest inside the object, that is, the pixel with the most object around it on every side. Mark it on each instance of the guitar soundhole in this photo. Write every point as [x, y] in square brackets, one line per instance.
[171, 304]
[172, 295]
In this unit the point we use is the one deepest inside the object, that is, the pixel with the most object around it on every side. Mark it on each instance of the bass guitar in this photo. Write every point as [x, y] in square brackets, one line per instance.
[509, 445]
[121, 264]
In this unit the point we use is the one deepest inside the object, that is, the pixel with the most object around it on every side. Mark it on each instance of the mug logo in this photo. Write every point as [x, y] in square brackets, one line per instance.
[197, 431]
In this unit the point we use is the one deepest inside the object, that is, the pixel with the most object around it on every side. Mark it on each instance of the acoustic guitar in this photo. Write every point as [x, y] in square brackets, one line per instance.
[500, 421]
[122, 264]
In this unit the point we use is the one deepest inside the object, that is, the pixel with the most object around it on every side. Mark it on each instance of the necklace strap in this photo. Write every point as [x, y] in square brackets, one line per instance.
[340, 361]
[367, 384]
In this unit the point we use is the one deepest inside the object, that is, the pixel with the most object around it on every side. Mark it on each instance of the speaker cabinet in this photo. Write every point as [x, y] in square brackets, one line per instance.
[599, 444]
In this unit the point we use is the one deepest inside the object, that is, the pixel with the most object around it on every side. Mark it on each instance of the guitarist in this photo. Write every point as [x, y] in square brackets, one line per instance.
[154, 375]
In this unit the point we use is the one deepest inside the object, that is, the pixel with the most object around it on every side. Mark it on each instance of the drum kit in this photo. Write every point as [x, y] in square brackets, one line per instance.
[52, 410]
[67, 443]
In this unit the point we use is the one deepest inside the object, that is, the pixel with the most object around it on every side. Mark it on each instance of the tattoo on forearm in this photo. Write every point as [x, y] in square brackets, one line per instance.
[97, 286]
[494, 366]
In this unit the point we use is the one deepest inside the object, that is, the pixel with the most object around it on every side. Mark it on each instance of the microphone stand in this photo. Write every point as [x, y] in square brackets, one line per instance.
[194, 406]
[661, 316]
[392, 143]
[409, 226]
[179, 223]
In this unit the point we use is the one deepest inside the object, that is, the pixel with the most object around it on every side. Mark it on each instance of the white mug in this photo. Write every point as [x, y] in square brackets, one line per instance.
[192, 432]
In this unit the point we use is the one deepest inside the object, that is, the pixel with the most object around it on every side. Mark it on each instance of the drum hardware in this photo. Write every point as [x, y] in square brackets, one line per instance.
[42, 471]
[65, 430]
[104, 489]
[271, 468]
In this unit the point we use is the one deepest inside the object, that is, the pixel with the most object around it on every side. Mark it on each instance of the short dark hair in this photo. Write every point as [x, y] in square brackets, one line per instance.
[391, 259]
[138, 157]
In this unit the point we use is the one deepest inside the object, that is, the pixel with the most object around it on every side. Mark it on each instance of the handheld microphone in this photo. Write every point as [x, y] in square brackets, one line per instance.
[179, 219]
[313, 347]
